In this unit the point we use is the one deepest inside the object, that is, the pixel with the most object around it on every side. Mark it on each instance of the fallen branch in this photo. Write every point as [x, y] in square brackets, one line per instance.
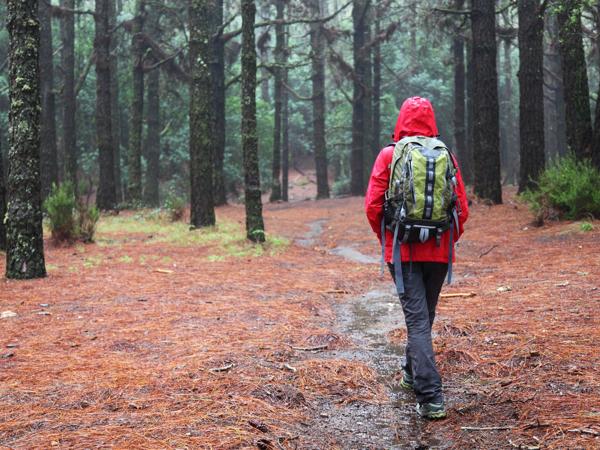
[290, 368]
[488, 251]
[585, 431]
[506, 427]
[310, 349]
[222, 369]
[458, 294]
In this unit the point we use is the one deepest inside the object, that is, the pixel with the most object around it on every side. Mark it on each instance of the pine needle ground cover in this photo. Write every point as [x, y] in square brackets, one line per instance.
[157, 337]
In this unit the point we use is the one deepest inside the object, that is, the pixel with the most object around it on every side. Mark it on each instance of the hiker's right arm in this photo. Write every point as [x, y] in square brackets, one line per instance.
[378, 184]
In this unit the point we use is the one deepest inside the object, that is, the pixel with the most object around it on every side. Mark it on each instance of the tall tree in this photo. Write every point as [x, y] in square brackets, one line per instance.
[486, 138]
[48, 151]
[458, 52]
[285, 141]
[531, 92]
[106, 197]
[360, 97]
[152, 146]
[2, 201]
[278, 71]
[317, 44]
[201, 142]
[467, 159]
[575, 80]
[596, 136]
[115, 111]
[25, 243]
[377, 63]
[255, 229]
[134, 183]
[218, 82]
[69, 141]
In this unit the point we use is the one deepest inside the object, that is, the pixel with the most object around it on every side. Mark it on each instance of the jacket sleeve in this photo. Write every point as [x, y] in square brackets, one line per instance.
[378, 184]
[463, 204]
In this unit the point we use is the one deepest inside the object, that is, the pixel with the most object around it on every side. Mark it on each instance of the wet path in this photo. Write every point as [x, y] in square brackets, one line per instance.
[367, 319]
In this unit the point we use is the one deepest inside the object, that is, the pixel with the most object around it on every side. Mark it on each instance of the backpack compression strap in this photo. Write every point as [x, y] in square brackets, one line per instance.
[453, 224]
[397, 261]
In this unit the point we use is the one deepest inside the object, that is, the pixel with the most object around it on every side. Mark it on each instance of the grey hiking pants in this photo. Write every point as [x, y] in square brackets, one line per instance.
[422, 288]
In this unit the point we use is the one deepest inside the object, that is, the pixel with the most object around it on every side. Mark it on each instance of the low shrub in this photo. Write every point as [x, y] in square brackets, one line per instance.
[568, 189]
[341, 187]
[60, 207]
[87, 219]
[175, 208]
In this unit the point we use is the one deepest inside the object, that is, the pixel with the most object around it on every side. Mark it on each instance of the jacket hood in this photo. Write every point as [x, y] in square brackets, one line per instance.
[416, 118]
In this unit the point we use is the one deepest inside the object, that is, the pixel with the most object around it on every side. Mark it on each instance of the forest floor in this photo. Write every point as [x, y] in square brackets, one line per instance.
[157, 337]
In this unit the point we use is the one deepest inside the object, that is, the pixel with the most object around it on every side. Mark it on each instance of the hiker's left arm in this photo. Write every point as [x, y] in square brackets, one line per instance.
[463, 203]
[375, 196]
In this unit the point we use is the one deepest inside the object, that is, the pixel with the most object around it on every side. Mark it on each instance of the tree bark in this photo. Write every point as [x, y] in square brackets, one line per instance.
[278, 71]
[137, 106]
[115, 111]
[575, 80]
[531, 92]
[24, 235]
[255, 229]
[70, 153]
[218, 83]
[201, 142]
[152, 147]
[458, 51]
[285, 141]
[106, 198]
[317, 45]
[2, 200]
[487, 183]
[48, 151]
[467, 161]
[596, 135]
[377, 60]
[360, 97]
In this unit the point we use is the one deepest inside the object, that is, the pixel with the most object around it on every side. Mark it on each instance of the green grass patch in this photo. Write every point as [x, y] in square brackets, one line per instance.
[226, 239]
[586, 226]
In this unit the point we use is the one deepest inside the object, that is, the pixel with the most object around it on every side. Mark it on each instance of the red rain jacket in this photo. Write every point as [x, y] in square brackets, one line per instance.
[416, 118]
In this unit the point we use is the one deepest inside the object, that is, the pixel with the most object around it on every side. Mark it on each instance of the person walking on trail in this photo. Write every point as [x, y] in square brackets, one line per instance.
[417, 205]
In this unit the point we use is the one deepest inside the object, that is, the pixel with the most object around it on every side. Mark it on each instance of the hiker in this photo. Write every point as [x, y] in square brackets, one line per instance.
[425, 211]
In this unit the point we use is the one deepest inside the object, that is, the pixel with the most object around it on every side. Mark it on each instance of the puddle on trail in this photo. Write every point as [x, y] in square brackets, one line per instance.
[311, 236]
[394, 425]
[353, 255]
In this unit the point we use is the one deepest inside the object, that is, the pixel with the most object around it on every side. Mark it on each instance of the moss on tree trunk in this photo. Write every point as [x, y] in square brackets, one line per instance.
[254, 220]
[25, 244]
[201, 133]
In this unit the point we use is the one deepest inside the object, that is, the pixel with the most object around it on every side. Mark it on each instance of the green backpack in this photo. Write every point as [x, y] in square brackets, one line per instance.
[420, 203]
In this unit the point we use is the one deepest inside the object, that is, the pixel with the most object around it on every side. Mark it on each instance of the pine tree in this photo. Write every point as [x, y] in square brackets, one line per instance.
[24, 239]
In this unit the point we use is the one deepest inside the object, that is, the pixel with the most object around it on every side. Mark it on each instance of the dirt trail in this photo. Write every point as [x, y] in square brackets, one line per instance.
[151, 341]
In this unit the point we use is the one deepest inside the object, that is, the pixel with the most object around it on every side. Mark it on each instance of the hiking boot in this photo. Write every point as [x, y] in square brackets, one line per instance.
[407, 381]
[431, 411]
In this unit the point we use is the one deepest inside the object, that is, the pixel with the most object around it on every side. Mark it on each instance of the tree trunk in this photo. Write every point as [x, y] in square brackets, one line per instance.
[531, 92]
[467, 161]
[67, 25]
[137, 106]
[218, 82]
[48, 151]
[596, 135]
[575, 80]
[201, 142]
[255, 229]
[509, 156]
[24, 238]
[360, 97]
[285, 135]
[106, 197]
[278, 71]
[554, 114]
[458, 51]
[2, 200]
[152, 147]
[115, 112]
[376, 135]
[485, 102]
[317, 45]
